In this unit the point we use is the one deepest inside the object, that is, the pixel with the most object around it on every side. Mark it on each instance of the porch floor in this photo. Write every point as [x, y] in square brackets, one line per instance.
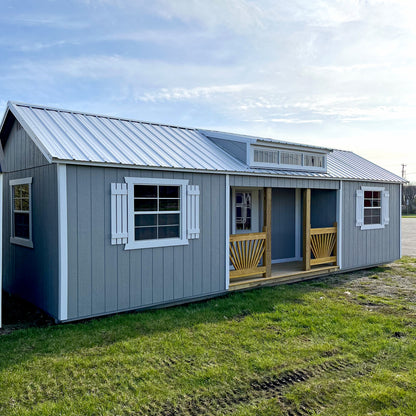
[282, 273]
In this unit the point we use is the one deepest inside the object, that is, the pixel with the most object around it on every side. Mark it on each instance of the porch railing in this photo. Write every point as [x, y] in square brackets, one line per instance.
[246, 251]
[324, 245]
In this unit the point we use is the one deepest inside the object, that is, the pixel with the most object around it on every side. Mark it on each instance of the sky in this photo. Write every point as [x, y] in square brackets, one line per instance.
[332, 73]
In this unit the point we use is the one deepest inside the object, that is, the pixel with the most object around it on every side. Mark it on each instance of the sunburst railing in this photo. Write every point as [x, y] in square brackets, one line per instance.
[324, 245]
[246, 251]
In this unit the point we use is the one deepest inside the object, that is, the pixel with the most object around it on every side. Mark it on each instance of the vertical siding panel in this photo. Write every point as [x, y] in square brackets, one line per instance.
[84, 241]
[72, 203]
[206, 224]
[136, 278]
[147, 281]
[157, 278]
[123, 260]
[110, 251]
[97, 240]
[217, 210]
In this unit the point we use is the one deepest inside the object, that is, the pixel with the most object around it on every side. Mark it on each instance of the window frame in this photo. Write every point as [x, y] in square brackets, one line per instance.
[373, 226]
[25, 242]
[163, 242]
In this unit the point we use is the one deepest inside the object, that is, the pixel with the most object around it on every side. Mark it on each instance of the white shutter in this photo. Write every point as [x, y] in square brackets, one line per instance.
[359, 208]
[119, 232]
[385, 197]
[192, 211]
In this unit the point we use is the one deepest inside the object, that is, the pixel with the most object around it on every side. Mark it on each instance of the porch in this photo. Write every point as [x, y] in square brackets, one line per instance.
[250, 253]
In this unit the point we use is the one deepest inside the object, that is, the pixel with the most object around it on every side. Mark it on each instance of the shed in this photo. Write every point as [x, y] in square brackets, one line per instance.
[102, 214]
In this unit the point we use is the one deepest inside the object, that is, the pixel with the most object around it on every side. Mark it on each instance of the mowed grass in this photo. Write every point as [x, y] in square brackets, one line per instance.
[340, 345]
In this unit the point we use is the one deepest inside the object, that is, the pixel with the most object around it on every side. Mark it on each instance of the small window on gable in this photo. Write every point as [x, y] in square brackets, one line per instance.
[372, 207]
[21, 212]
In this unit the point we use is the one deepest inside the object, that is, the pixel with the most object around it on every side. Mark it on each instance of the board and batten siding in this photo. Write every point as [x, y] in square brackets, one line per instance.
[362, 248]
[104, 278]
[32, 273]
[21, 152]
[267, 181]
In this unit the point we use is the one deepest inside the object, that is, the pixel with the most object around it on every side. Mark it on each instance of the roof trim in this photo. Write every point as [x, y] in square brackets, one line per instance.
[11, 108]
[218, 172]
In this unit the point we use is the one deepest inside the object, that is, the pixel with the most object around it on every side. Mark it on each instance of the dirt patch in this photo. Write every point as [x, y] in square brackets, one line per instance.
[20, 314]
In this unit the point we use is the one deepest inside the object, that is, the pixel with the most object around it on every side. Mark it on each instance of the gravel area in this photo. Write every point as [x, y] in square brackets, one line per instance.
[409, 237]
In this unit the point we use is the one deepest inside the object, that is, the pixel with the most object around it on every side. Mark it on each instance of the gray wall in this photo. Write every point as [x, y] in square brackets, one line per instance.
[31, 273]
[20, 152]
[323, 208]
[105, 278]
[283, 223]
[369, 247]
[267, 181]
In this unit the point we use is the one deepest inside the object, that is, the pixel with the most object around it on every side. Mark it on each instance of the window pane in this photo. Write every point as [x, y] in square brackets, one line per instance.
[169, 205]
[24, 190]
[21, 225]
[145, 233]
[17, 204]
[145, 204]
[170, 231]
[25, 204]
[145, 191]
[368, 194]
[145, 220]
[168, 219]
[168, 191]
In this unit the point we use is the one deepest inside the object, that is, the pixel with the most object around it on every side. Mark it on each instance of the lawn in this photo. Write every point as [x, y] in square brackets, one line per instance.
[409, 216]
[340, 345]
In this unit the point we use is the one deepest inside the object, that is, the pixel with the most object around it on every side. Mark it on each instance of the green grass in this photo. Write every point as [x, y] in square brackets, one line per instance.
[340, 345]
[409, 216]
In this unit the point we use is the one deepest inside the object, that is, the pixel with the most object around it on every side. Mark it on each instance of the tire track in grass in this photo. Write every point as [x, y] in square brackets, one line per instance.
[258, 389]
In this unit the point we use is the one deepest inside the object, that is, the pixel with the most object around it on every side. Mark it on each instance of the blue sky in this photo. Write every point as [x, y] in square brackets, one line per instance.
[335, 73]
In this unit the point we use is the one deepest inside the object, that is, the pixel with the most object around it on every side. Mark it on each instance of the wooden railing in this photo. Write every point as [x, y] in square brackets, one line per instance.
[246, 251]
[324, 245]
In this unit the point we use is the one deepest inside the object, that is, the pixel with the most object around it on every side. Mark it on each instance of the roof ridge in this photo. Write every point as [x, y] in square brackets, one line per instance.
[63, 110]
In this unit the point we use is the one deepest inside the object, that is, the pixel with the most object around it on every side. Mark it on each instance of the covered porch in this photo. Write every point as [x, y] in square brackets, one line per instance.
[250, 253]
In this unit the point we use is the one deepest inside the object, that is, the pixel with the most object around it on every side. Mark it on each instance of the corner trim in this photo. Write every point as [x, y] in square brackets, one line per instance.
[227, 231]
[62, 242]
[1, 245]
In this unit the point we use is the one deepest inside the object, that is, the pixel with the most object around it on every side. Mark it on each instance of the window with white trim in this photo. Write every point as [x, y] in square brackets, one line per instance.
[372, 207]
[156, 212]
[21, 211]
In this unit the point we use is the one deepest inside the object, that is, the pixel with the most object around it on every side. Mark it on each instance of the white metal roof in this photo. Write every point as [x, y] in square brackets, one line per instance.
[71, 136]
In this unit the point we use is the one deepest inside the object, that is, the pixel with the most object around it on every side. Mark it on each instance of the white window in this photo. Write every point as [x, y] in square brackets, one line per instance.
[372, 207]
[313, 160]
[266, 156]
[21, 212]
[291, 158]
[156, 212]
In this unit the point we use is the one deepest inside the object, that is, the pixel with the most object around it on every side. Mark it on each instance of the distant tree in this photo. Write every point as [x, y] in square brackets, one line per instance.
[409, 198]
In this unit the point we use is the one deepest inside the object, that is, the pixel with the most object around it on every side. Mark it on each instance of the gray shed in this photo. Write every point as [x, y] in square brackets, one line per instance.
[102, 214]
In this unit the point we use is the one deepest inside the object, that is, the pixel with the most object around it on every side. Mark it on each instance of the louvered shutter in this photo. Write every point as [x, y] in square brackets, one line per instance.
[359, 208]
[119, 231]
[385, 197]
[192, 211]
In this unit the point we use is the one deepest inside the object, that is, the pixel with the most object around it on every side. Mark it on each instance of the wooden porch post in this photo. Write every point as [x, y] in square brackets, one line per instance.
[267, 218]
[307, 229]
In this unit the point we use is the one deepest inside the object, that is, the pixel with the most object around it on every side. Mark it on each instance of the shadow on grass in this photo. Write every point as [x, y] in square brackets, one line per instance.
[25, 344]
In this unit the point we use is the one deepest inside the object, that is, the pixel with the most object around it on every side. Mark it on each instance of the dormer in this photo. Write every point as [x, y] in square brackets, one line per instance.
[271, 154]
[286, 156]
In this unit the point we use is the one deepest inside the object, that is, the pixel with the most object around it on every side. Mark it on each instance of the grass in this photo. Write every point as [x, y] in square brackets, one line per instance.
[409, 216]
[340, 345]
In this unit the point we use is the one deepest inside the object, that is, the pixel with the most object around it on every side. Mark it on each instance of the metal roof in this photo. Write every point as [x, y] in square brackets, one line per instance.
[64, 135]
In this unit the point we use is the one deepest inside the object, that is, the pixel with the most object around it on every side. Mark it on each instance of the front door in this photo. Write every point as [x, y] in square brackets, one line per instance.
[245, 211]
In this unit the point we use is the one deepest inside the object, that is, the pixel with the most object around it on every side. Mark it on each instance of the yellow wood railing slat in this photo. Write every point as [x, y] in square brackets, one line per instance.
[323, 245]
